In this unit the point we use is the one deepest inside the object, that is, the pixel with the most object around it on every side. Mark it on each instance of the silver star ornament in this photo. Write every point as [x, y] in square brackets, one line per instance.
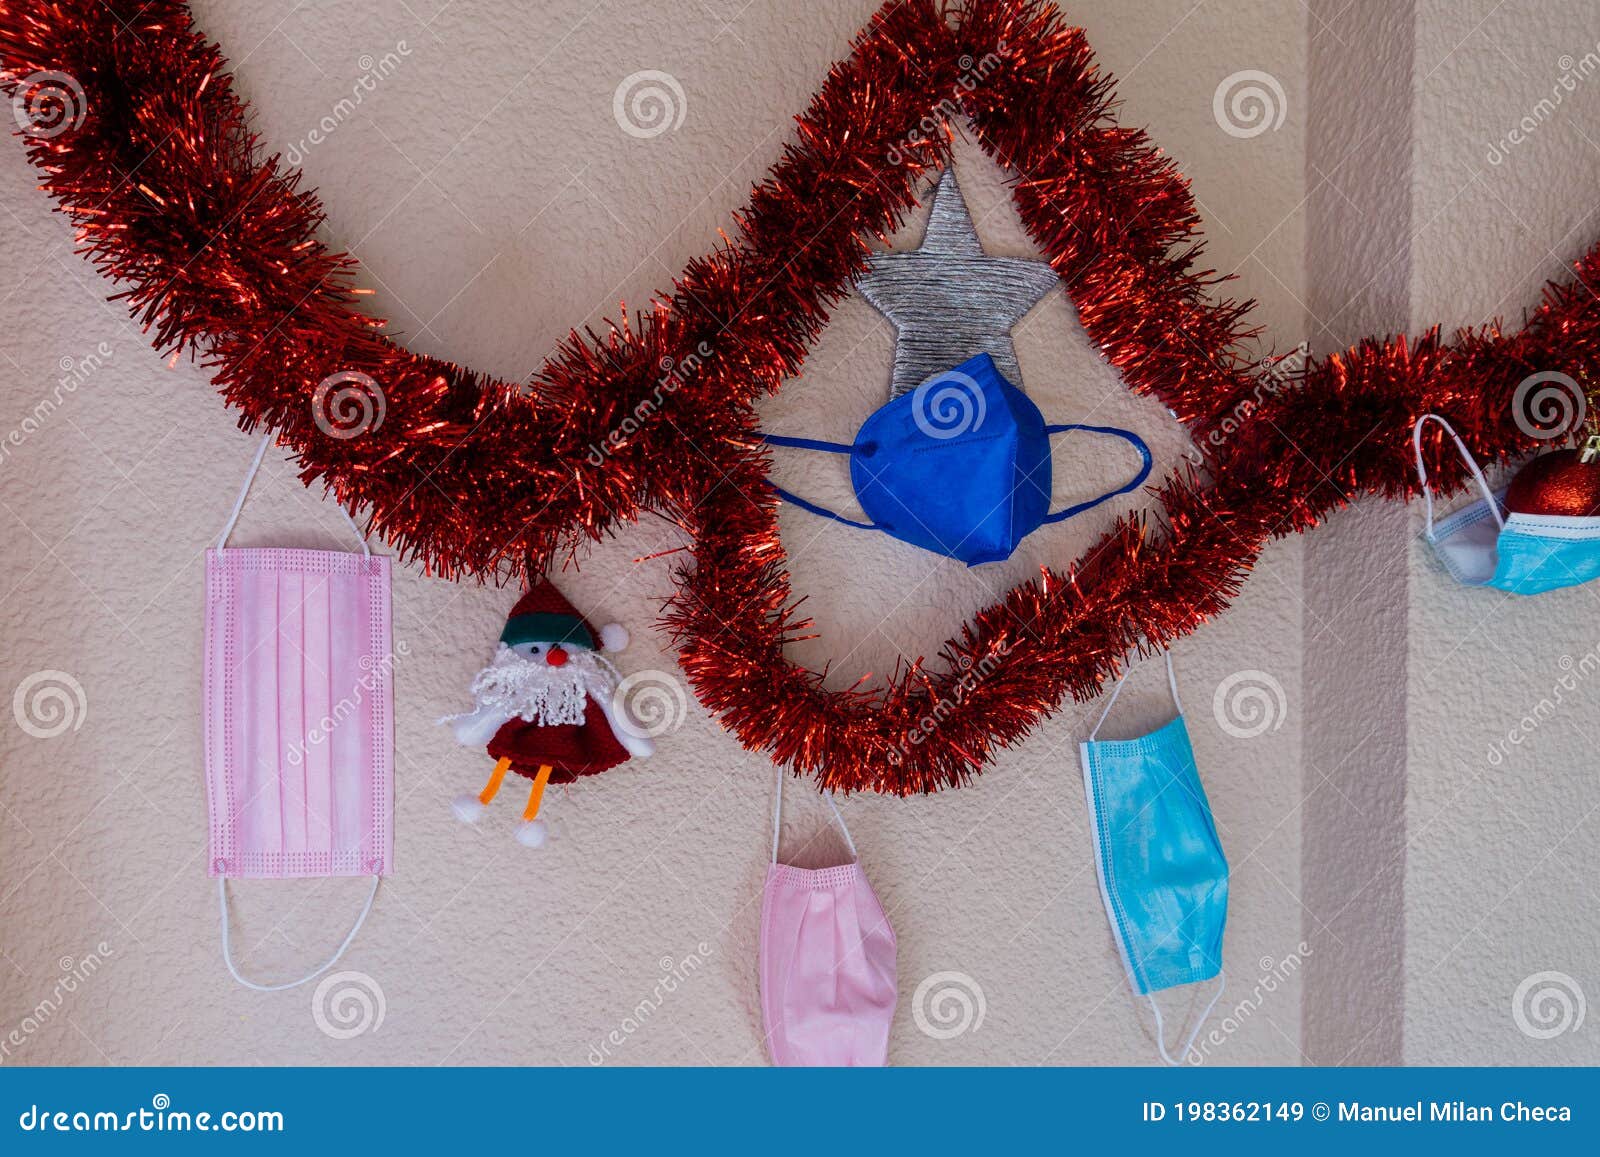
[949, 301]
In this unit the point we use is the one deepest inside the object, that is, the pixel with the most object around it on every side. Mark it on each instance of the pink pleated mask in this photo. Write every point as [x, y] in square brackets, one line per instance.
[828, 986]
[298, 717]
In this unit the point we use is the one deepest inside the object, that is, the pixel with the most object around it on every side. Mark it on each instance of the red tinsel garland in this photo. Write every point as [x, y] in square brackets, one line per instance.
[1281, 456]
[217, 248]
[163, 181]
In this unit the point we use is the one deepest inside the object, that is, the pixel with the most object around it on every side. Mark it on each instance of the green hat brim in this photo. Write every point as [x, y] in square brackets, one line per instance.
[542, 627]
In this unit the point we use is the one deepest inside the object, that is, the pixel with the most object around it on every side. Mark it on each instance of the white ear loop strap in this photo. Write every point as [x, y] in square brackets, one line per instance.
[1161, 1030]
[777, 819]
[227, 946]
[1172, 682]
[1422, 471]
[250, 476]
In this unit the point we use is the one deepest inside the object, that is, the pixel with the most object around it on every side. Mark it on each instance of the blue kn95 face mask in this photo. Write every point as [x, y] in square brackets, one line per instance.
[1163, 877]
[959, 466]
[1526, 554]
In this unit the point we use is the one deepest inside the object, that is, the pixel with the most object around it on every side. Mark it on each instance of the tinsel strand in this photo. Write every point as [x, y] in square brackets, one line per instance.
[213, 248]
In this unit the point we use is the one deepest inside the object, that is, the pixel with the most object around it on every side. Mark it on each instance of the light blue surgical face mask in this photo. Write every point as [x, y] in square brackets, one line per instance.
[1526, 554]
[1163, 876]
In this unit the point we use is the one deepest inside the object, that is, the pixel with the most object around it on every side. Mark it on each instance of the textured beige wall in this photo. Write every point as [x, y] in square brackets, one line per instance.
[1501, 861]
[495, 203]
[1358, 160]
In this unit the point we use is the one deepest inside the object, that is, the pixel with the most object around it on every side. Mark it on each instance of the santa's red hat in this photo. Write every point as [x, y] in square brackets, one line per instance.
[543, 615]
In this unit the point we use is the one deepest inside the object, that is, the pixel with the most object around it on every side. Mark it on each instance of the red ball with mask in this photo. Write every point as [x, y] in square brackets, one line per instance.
[1562, 482]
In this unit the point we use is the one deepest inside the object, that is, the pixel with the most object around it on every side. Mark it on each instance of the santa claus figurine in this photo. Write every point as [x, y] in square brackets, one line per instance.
[545, 705]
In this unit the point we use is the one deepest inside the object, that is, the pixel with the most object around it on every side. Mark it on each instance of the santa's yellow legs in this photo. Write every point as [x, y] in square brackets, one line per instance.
[531, 812]
[496, 778]
[531, 832]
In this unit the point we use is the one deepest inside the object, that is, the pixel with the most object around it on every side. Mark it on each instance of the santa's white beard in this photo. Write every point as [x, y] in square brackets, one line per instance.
[532, 690]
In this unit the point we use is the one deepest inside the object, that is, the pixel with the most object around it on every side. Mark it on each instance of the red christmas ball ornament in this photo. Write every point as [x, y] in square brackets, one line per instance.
[1561, 482]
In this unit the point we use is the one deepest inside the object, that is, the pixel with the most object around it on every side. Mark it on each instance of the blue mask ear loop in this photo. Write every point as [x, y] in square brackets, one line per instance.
[1161, 1028]
[1138, 480]
[1472, 464]
[826, 448]
[1172, 682]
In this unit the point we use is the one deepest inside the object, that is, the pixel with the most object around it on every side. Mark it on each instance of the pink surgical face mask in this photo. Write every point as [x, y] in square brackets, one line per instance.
[827, 961]
[298, 718]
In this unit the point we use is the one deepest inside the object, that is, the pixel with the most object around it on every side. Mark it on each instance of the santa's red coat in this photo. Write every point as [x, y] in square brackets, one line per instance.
[571, 749]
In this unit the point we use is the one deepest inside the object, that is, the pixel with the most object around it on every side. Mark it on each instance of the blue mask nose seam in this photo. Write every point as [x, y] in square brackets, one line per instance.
[973, 441]
[1108, 871]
